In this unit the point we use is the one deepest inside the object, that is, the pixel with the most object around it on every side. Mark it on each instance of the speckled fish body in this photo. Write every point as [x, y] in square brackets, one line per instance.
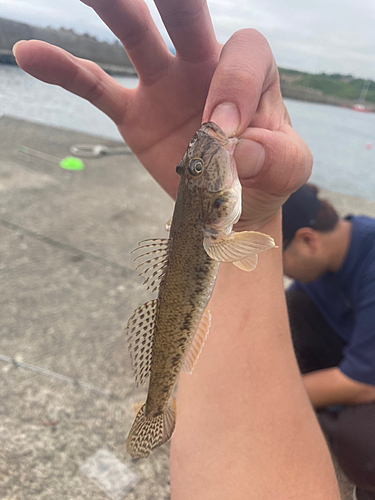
[167, 334]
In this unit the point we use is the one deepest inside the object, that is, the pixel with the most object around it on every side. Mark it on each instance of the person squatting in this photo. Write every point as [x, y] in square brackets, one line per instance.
[331, 307]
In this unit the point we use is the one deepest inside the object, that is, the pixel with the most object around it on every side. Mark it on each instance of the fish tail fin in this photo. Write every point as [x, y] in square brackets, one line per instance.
[148, 433]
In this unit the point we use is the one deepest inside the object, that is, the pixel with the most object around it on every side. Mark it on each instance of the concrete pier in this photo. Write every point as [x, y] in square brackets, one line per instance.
[68, 286]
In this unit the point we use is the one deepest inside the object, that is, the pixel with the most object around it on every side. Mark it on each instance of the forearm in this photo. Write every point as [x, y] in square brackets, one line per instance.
[244, 419]
[332, 387]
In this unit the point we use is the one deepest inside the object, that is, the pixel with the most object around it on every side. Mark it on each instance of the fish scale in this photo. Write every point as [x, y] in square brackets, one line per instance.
[187, 290]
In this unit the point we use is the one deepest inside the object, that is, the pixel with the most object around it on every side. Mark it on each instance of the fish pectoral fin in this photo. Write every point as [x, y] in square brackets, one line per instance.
[247, 264]
[197, 342]
[140, 335]
[152, 260]
[239, 248]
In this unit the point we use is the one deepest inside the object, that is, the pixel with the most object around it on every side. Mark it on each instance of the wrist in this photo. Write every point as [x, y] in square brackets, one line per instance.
[262, 287]
[270, 225]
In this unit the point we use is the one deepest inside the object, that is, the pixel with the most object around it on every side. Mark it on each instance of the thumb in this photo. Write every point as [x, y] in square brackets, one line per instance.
[246, 70]
[284, 165]
[244, 100]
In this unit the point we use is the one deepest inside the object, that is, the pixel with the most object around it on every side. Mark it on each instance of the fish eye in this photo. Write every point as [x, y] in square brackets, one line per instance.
[196, 167]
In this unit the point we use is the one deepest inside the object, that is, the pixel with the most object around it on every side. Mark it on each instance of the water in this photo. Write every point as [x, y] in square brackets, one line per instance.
[22, 96]
[336, 136]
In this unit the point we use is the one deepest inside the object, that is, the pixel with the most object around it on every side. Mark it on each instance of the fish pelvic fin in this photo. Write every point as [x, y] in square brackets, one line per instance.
[239, 248]
[147, 433]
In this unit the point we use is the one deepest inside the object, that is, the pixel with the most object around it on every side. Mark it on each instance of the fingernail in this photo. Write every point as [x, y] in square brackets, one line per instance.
[15, 46]
[250, 156]
[227, 116]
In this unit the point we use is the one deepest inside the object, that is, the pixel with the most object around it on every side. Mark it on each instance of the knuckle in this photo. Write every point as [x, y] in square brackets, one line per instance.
[135, 32]
[134, 37]
[246, 77]
[186, 15]
[95, 91]
[94, 88]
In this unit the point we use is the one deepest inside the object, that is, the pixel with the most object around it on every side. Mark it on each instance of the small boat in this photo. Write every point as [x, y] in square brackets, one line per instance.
[361, 108]
[360, 105]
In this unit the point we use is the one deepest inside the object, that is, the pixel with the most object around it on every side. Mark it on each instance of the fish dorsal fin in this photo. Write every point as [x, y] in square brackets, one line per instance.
[153, 258]
[139, 333]
[197, 342]
[239, 248]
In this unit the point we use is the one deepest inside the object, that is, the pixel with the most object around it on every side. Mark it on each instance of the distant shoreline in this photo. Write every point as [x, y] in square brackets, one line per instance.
[336, 90]
[110, 56]
[288, 92]
[310, 95]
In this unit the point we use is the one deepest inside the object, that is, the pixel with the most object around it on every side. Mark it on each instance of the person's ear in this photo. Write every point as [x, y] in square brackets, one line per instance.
[307, 240]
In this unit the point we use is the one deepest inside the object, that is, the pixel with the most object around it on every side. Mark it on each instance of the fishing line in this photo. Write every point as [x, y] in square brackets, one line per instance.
[58, 376]
[68, 163]
[63, 246]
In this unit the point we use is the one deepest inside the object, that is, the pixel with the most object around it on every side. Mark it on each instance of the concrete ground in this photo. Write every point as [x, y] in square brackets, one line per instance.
[68, 286]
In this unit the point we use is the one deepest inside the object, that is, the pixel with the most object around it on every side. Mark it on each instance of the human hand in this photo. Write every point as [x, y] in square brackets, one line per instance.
[176, 93]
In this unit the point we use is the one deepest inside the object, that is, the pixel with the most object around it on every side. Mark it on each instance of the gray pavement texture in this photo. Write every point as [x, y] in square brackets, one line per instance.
[68, 286]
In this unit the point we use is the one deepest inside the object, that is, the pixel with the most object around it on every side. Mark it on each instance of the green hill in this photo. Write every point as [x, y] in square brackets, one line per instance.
[335, 85]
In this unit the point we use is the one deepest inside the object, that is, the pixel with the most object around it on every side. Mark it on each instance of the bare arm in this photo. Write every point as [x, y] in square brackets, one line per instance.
[332, 387]
[245, 426]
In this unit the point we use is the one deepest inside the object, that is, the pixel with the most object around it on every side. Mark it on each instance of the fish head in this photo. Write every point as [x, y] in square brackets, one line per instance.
[208, 161]
[208, 167]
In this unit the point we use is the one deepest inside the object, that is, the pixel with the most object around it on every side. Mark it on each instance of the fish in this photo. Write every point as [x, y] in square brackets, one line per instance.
[166, 335]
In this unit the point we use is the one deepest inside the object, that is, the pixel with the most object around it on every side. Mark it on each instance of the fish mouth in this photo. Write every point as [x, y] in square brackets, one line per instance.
[216, 133]
[213, 130]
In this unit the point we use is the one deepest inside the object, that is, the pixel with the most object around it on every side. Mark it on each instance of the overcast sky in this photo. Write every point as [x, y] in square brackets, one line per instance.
[310, 35]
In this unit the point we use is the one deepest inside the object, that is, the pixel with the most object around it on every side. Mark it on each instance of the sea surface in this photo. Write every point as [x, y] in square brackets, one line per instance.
[342, 141]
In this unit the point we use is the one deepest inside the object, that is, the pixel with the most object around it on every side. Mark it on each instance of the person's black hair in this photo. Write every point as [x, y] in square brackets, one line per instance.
[305, 209]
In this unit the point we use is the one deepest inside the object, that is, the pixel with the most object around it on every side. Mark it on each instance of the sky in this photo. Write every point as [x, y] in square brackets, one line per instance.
[317, 36]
